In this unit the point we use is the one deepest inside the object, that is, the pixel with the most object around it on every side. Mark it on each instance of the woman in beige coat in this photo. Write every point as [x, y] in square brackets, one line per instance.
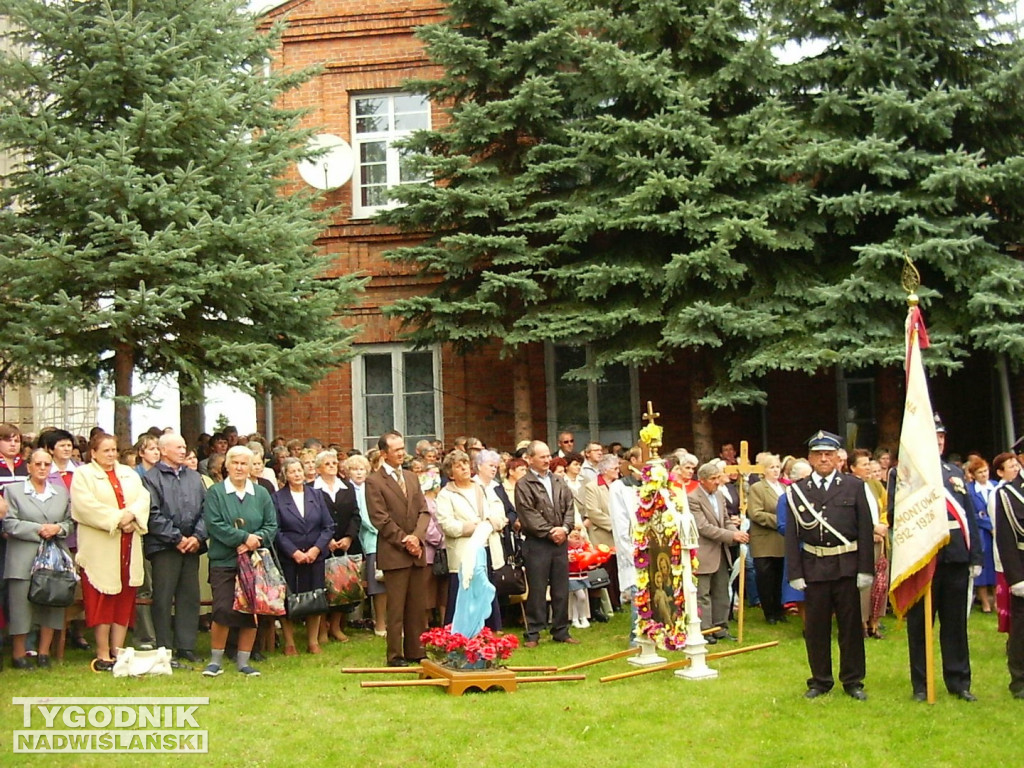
[767, 546]
[462, 505]
[111, 507]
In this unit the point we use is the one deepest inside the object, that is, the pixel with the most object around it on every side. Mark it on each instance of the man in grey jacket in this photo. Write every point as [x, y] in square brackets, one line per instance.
[545, 506]
[177, 536]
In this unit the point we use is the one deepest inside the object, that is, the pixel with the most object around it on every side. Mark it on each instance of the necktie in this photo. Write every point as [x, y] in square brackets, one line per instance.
[400, 477]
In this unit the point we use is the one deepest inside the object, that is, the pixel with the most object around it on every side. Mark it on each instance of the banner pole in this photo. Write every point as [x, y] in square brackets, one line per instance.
[929, 645]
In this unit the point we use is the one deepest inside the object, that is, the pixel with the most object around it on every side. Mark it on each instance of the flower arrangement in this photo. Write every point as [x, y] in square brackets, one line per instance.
[485, 651]
[655, 514]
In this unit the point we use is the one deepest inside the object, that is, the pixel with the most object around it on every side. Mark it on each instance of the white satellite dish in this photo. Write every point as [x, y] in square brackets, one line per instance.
[333, 167]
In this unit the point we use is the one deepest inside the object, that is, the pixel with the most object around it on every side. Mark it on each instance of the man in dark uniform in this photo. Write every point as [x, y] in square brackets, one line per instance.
[830, 556]
[951, 586]
[1009, 526]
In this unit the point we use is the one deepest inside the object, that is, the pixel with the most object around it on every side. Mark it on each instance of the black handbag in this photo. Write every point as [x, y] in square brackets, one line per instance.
[598, 578]
[53, 580]
[510, 579]
[302, 604]
[440, 564]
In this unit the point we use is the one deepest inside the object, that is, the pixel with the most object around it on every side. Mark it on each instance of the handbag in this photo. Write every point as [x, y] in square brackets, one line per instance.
[598, 578]
[133, 663]
[343, 580]
[509, 579]
[259, 586]
[440, 565]
[53, 580]
[302, 604]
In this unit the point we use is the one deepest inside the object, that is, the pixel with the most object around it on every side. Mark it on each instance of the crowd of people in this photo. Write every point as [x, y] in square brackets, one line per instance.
[156, 533]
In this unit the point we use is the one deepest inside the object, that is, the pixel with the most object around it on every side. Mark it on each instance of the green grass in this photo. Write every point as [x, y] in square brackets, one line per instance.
[304, 711]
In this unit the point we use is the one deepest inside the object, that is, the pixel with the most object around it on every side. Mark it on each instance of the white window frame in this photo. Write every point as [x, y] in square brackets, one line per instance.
[392, 155]
[592, 430]
[360, 438]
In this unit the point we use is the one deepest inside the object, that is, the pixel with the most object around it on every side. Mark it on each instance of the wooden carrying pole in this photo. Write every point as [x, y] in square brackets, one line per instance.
[686, 662]
[600, 659]
[929, 645]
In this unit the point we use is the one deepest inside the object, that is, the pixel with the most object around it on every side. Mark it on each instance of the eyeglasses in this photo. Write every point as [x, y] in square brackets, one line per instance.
[41, 463]
[564, 442]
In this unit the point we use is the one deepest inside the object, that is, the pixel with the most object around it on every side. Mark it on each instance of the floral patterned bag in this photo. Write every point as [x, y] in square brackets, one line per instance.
[259, 586]
[342, 576]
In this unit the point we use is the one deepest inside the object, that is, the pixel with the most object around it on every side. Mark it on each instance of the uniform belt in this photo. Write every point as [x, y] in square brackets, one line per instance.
[953, 525]
[839, 549]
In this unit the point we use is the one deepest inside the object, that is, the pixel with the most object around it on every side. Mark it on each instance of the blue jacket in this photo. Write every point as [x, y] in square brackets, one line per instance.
[176, 508]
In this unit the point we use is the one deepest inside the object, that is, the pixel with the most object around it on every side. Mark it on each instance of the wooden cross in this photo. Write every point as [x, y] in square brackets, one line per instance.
[745, 468]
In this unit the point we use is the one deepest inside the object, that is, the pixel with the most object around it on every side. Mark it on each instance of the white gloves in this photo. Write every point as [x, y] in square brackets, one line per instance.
[865, 580]
[1017, 590]
[975, 571]
[798, 584]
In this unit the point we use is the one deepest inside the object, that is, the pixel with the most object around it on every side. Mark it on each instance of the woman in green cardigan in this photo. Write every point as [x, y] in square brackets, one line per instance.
[240, 517]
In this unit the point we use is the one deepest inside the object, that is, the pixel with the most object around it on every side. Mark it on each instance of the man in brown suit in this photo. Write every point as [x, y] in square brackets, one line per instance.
[716, 533]
[398, 510]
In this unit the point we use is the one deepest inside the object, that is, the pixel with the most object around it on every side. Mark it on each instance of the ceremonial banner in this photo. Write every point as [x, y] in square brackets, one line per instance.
[919, 522]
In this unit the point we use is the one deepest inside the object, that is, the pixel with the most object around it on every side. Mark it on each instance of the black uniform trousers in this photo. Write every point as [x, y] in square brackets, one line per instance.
[822, 599]
[949, 601]
[1015, 645]
[547, 565]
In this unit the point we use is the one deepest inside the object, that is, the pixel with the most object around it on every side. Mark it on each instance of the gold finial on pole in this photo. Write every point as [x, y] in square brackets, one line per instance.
[910, 279]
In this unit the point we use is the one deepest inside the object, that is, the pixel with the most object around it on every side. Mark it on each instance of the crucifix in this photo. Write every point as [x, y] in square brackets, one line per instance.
[745, 468]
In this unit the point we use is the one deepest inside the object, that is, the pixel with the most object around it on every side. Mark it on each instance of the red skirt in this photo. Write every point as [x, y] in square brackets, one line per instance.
[111, 609]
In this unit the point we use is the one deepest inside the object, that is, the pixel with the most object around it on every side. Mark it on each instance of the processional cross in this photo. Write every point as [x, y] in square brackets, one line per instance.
[745, 468]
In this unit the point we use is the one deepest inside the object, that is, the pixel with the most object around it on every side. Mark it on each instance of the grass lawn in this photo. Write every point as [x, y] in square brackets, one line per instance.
[304, 711]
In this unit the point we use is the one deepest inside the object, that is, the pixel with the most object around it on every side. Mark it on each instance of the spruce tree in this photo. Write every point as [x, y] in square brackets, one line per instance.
[914, 117]
[614, 174]
[144, 225]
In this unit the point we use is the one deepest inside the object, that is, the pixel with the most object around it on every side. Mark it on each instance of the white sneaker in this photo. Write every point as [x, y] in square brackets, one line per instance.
[584, 624]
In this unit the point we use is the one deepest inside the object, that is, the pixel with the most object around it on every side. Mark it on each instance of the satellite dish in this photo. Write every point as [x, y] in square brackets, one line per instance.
[332, 167]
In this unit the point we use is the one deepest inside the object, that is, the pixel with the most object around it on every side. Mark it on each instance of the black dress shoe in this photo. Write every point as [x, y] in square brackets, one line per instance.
[257, 656]
[725, 636]
[965, 696]
[80, 643]
[24, 663]
[193, 658]
[710, 639]
[813, 693]
[772, 622]
[1018, 695]
[398, 663]
[920, 696]
[857, 693]
[43, 662]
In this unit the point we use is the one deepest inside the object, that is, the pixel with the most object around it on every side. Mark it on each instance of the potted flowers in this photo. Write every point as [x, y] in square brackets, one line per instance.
[485, 651]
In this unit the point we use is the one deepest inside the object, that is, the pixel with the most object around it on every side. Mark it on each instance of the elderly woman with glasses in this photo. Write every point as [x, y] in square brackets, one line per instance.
[38, 511]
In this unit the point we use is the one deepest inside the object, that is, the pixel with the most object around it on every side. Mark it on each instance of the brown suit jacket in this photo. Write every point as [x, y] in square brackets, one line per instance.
[395, 516]
[715, 533]
[765, 539]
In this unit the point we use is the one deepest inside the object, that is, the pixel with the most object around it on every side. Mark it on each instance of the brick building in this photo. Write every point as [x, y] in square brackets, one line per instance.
[367, 51]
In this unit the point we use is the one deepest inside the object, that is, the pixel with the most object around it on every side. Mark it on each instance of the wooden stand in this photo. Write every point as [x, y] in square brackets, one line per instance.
[462, 680]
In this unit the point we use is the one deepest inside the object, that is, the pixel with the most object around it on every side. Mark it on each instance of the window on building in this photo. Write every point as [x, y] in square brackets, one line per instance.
[394, 387]
[606, 410]
[378, 121]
